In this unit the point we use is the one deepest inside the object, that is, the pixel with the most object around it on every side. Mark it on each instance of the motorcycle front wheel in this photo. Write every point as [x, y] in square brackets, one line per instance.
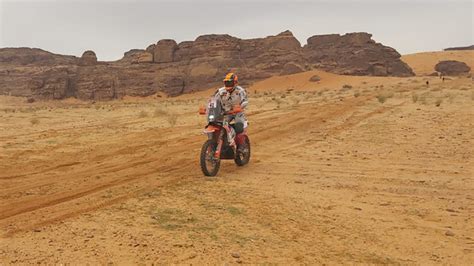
[209, 164]
[243, 153]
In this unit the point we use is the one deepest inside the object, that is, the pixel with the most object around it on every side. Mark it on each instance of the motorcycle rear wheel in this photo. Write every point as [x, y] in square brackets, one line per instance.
[209, 164]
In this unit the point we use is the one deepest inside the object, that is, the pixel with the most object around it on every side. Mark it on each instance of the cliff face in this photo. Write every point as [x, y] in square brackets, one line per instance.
[179, 68]
[354, 54]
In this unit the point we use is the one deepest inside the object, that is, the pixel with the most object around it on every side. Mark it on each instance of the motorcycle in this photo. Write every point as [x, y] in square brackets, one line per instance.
[224, 142]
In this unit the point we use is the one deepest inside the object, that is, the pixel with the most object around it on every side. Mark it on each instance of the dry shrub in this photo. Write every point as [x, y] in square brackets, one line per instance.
[159, 112]
[382, 97]
[142, 114]
[34, 121]
[172, 119]
[356, 94]
[346, 87]
[438, 102]
[414, 97]
[423, 99]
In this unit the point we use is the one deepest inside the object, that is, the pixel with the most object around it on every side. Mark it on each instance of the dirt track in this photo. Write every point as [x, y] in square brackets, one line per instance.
[336, 176]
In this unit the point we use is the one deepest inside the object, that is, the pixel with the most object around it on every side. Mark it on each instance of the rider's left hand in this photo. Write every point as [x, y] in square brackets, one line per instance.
[236, 109]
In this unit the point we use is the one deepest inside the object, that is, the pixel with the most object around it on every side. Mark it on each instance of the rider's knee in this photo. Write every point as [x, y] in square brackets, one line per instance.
[239, 127]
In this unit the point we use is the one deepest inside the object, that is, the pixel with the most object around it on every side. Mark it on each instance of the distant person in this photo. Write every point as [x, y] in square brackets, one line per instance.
[234, 100]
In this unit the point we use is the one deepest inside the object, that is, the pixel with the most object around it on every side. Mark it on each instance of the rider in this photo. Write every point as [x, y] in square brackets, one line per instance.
[234, 101]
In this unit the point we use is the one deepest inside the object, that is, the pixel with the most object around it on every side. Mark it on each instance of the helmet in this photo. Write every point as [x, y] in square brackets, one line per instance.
[230, 81]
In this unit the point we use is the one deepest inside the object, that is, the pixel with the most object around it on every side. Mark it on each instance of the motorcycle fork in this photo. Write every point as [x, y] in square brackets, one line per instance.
[220, 142]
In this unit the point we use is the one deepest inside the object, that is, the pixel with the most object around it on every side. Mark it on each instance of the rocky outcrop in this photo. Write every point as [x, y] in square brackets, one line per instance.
[88, 58]
[452, 68]
[33, 56]
[460, 48]
[163, 51]
[137, 56]
[175, 68]
[354, 54]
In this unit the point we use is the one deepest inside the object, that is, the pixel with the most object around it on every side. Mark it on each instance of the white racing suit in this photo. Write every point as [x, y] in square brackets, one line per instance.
[229, 99]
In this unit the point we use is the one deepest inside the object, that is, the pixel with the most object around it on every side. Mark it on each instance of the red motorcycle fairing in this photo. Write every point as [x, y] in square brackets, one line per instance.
[240, 138]
[211, 129]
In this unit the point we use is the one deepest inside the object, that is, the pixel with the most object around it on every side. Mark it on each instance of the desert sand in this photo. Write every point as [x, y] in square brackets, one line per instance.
[345, 170]
[423, 63]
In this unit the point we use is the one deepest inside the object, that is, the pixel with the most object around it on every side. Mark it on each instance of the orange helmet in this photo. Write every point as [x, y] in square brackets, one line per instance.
[230, 81]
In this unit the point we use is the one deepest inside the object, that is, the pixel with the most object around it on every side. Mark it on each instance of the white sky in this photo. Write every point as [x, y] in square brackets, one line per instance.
[111, 28]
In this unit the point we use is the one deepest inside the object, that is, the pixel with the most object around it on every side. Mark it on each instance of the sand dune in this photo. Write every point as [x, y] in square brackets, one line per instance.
[423, 63]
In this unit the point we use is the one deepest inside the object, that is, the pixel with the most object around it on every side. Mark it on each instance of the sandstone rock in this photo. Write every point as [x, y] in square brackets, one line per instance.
[354, 54]
[163, 51]
[88, 58]
[452, 68]
[51, 84]
[137, 56]
[291, 68]
[315, 78]
[173, 69]
[33, 56]
[471, 47]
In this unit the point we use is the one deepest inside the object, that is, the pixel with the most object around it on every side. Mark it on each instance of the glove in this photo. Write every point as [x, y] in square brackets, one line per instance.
[202, 110]
[236, 109]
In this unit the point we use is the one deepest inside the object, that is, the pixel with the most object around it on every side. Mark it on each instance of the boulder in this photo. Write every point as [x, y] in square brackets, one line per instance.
[452, 68]
[291, 68]
[315, 78]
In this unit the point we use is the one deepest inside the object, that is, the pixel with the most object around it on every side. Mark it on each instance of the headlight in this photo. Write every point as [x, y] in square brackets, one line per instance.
[211, 118]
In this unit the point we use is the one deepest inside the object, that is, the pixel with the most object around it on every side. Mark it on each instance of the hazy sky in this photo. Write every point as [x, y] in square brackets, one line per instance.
[111, 28]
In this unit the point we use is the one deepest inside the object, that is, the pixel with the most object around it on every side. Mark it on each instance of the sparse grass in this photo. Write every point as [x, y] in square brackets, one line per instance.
[171, 219]
[345, 88]
[414, 97]
[159, 112]
[450, 97]
[172, 119]
[233, 210]
[34, 121]
[142, 114]
[423, 99]
[383, 96]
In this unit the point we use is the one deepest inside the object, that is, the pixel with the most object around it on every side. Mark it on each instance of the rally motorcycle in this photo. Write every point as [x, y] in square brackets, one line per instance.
[226, 141]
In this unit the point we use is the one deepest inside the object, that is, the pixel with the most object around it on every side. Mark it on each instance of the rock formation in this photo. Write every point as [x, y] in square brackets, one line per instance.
[452, 68]
[175, 68]
[88, 58]
[471, 47]
[354, 54]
